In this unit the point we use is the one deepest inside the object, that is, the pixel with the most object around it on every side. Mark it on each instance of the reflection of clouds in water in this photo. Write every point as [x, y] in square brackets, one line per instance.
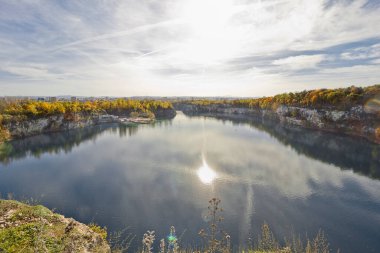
[248, 156]
[243, 158]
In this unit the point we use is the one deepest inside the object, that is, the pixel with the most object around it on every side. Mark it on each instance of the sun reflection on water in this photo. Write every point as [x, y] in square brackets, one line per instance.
[206, 174]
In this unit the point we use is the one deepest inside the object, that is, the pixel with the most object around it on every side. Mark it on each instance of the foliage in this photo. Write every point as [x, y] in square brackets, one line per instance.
[18, 111]
[27, 228]
[377, 132]
[341, 98]
[21, 237]
[32, 233]
[120, 241]
[102, 231]
[267, 240]
[4, 133]
[32, 109]
[217, 239]
[318, 245]
[148, 241]
[172, 241]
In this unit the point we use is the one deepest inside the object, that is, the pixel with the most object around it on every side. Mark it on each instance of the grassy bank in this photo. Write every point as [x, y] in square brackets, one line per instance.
[26, 228]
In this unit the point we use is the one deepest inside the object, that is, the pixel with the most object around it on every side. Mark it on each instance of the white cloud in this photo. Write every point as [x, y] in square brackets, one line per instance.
[362, 53]
[300, 62]
[357, 70]
[29, 72]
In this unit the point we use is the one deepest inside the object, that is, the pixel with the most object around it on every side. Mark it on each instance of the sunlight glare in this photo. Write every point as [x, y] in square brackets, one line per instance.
[206, 174]
[212, 38]
[208, 15]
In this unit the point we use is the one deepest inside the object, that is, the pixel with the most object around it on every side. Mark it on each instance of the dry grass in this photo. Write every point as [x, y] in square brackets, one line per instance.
[218, 241]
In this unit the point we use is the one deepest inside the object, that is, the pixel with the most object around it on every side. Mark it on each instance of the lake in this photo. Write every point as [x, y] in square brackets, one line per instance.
[150, 177]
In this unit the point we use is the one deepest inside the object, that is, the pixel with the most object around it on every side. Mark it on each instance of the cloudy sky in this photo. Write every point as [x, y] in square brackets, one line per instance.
[186, 47]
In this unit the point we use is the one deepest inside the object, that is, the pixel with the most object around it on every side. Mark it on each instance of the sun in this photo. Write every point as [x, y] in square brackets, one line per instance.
[211, 37]
[208, 15]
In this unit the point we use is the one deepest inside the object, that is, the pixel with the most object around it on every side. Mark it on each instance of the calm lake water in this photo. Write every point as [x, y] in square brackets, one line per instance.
[155, 176]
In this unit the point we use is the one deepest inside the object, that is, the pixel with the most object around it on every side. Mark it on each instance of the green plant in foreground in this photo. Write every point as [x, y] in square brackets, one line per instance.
[267, 242]
[217, 240]
[172, 241]
[26, 228]
[120, 241]
[99, 230]
[148, 241]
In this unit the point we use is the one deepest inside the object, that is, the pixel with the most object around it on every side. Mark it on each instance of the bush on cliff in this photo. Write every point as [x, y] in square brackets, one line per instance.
[4, 133]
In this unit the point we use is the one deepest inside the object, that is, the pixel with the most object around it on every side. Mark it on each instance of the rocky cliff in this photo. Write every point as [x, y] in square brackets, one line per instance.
[355, 121]
[29, 127]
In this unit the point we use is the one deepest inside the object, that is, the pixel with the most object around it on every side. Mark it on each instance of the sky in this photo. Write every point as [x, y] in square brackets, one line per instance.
[186, 47]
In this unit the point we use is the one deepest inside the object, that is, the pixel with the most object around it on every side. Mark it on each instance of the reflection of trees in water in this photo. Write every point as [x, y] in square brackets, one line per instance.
[342, 151]
[65, 141]
[52, 143]
[130, 130]
[127, 130]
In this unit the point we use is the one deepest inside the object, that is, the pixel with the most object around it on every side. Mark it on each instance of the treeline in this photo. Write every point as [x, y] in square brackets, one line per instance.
[338, 98]
[17, 111]
[34, 109]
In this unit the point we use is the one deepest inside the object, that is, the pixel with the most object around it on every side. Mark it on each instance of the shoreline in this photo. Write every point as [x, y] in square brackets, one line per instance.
[353, 122]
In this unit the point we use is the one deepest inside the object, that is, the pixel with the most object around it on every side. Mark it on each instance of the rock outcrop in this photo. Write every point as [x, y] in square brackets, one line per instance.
[355, 121]
[29, 127]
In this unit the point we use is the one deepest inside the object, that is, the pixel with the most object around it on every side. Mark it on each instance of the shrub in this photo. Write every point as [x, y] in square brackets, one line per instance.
[266, 240]
[4, 134]
[377, 133]
[99, 230]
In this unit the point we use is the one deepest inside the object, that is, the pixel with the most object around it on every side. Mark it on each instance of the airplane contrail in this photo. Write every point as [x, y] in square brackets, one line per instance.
[135, 30]
[132, 31]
